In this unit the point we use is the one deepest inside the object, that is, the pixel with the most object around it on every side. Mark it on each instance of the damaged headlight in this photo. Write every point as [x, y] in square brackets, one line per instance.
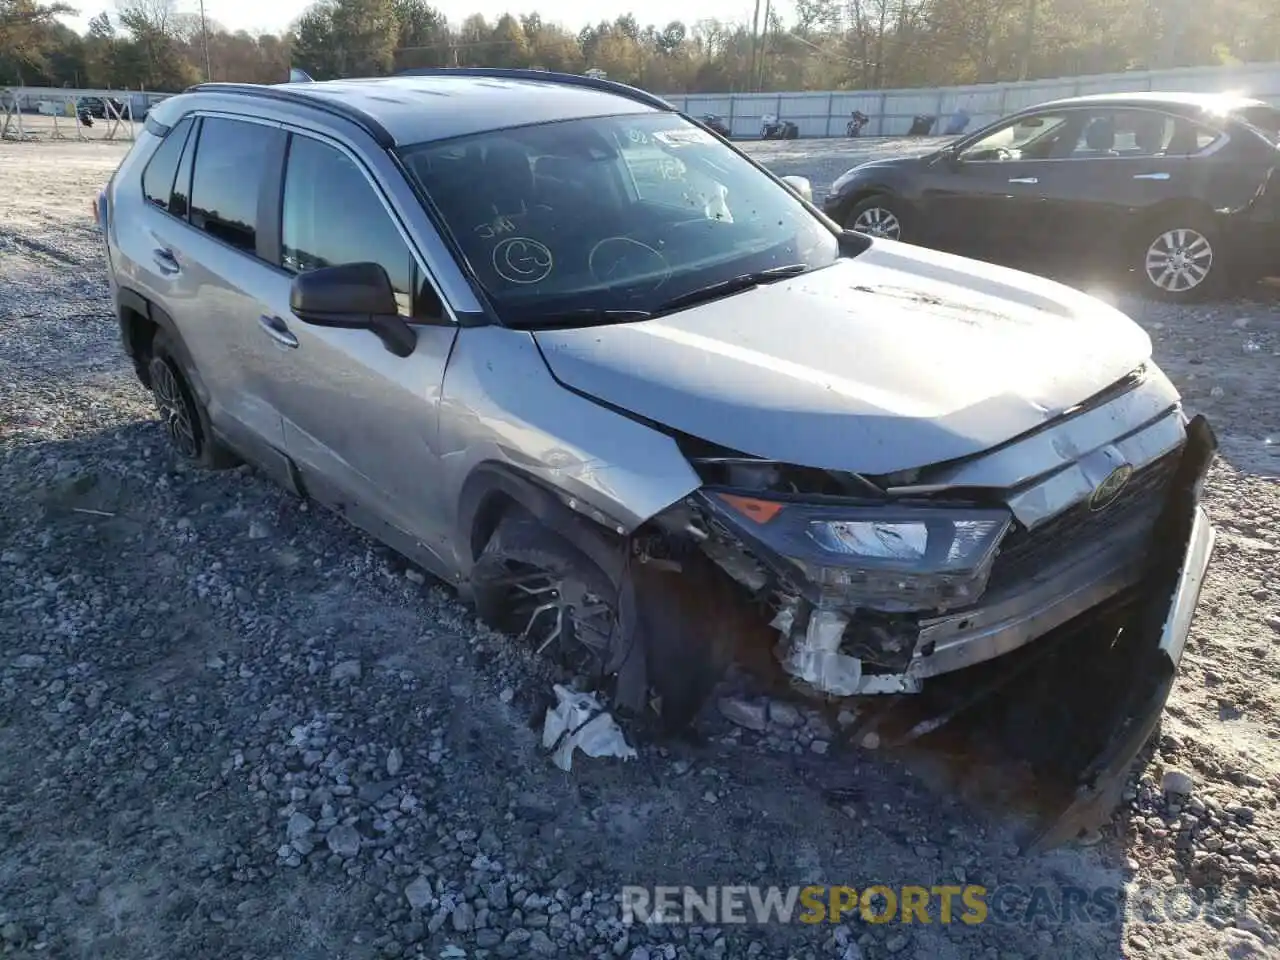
[881, 556]
[941, 544]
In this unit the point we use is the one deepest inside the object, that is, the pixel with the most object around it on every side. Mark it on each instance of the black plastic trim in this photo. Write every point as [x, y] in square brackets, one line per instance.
[155, 127]
[545, 76]
[271, 200]
[492, 479]
[334, 108]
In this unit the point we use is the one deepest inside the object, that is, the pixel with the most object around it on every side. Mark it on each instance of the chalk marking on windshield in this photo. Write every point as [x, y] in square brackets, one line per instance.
[522, 260]
[619, 260]
[502, 224]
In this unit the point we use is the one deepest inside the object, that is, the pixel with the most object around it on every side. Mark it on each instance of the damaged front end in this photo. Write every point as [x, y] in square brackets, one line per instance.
[1074, 621]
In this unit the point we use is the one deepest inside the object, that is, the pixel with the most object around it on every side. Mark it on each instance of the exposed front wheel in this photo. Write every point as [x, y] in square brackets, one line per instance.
[533, 584]
[1180, 259]
[877, 216]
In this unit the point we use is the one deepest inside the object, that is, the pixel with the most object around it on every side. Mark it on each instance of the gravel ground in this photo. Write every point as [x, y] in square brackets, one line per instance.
[232, 726]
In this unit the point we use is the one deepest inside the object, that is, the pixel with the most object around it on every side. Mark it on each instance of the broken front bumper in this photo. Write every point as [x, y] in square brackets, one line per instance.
[1183, 543]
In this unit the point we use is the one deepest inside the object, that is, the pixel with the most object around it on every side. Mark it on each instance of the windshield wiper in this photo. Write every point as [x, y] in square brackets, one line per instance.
[579, 316]
[714, 291]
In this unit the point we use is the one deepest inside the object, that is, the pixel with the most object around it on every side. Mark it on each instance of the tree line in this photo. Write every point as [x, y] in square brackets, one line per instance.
[830, 44]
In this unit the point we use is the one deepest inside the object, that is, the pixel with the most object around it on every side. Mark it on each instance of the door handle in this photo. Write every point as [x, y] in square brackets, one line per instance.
[1151, 176]
[1024, 180]
[276, 329]
[165, 260]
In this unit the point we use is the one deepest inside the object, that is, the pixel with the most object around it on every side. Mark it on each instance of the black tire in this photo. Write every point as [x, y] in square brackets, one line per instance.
[681, 663]
[521, 545]
[882, 209]
[1180, 257]
[185, 420]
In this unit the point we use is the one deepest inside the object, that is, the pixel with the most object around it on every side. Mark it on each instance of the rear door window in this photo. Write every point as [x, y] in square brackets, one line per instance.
[227, 179]
[158, 177]
[1124, 133]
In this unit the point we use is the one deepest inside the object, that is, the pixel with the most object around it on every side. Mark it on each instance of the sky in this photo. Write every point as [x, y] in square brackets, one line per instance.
[253, 15]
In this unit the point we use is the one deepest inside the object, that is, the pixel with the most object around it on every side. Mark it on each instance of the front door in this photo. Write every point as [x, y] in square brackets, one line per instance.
[985, 200]
[360, 422]
[1124, 164]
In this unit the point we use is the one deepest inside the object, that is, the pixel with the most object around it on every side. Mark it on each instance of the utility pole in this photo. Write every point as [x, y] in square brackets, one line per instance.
[1028, 39]
[1177, 15]
[755, 38]
[764, 45]
[204, 39]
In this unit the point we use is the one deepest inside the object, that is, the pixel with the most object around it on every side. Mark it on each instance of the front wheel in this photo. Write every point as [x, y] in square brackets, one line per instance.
[1180, 258]
[533, 584]
[877, 216]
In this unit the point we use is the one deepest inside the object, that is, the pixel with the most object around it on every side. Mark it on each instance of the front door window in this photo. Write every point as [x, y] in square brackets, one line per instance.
[1036, 137]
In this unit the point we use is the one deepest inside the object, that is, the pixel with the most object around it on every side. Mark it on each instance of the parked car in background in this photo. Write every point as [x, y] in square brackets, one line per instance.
[714, 122]
[1181, 190]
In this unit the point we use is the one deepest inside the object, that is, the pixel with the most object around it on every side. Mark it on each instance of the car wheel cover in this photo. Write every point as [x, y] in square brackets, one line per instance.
[1179, 260]
[878, 222]
[174, 408]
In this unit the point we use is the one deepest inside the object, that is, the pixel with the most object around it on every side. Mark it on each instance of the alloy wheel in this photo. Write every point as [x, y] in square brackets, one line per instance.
[878, 222]
[175, 409]
[1179, 260]
[558, 613]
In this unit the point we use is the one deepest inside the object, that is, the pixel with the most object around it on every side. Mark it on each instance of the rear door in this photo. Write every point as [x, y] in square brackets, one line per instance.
[210, 248]
[987, 201]
[1123, 164]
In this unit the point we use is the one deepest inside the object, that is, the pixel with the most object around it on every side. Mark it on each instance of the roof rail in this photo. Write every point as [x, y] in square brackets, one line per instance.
[544, 76]
[330, 105]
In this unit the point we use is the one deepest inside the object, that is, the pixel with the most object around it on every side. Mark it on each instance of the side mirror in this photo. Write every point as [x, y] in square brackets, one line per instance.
[801, 187]
[353, 296]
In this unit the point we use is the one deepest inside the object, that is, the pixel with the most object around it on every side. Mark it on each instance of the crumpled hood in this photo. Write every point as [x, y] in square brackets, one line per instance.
[896, 359]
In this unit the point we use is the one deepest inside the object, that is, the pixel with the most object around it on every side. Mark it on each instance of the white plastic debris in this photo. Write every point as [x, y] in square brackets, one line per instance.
[578, 722]
[816, 658]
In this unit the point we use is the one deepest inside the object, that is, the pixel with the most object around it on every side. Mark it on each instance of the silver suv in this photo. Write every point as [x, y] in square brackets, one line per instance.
[568, 349]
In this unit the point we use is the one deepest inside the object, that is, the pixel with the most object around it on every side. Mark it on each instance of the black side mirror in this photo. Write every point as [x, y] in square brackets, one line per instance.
[353, 296]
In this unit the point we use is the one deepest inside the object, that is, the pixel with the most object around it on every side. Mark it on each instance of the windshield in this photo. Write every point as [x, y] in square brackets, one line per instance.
[1266, 120]
[563, 220]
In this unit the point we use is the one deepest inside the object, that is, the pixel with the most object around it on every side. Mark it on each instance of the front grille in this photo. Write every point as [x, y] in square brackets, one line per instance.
[1024, 553]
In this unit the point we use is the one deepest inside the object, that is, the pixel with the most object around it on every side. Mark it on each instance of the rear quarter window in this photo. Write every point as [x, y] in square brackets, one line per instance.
[1266, 120]
[160, 171]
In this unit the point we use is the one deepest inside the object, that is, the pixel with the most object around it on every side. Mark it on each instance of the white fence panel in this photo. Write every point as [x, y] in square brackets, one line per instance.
[825, 113]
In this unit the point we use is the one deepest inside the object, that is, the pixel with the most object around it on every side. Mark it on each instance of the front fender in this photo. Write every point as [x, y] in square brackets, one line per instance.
[503, 408]
[856, 190]
[493, 487]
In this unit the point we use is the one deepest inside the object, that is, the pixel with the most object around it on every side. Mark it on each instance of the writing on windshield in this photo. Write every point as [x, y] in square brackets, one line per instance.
[614, 213]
